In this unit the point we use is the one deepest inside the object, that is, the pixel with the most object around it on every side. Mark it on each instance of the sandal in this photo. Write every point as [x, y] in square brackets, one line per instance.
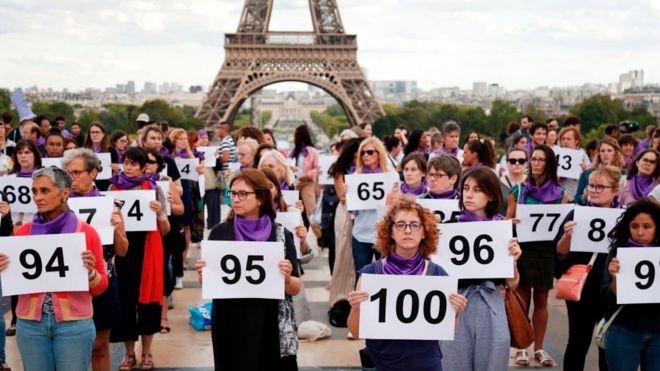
[11, 331]
[522, 358]
[164, 326]
[543, 358]
[4, 367]
[147, 362]
[128, 362]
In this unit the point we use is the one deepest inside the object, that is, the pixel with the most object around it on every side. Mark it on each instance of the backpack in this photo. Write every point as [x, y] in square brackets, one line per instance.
[338, 313]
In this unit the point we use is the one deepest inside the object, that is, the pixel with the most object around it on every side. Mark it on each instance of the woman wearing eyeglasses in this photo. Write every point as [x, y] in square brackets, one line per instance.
[407, 237]
[643, 177]
[444, 171]
[118, 144]
[267, 347]
[536, 264]
[583, 315]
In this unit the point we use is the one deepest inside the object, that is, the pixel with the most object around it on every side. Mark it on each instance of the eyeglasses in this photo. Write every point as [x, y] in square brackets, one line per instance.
[76, 173]
[414, 226]
[241, 195]
[152, 162]
[598, 188]
[369, 152]
[519, 161]
[436, 176]
[648, 161]
[536, 159]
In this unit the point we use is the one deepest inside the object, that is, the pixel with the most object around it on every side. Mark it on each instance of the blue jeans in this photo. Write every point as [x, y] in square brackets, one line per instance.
[48, 345]
[627, 349]
[3, 356]
[363, 253]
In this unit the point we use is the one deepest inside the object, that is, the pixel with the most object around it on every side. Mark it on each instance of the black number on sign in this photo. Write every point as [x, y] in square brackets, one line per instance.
[379, 192]
[35, 264]
[381, 296]
[135, 212]
[442, 310]
[56, 263]
[453, 216]
[554, 216]
[186, 169]
[363, 191]
[377, 189]
[479, 248]
[414, 307]
[261, 273]
[235, 269]
[567, 165]
[9, 193]
[91, 213]
[24, 195]
[649, 276]
[597, 232]
[465, 250]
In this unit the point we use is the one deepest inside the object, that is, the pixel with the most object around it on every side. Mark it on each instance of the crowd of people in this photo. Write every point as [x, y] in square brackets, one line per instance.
[131, 280]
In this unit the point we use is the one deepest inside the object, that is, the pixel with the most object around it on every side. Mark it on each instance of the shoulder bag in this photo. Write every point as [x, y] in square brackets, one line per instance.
[571, 283]
[520, 328]
[602, 326]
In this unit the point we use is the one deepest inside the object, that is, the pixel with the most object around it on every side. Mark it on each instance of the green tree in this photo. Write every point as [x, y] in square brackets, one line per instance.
[5, 100]
[597, 110]
[54, 109]
[501, 113]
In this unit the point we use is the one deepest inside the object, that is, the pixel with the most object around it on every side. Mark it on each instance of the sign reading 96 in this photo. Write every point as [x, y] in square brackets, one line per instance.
[637, 281]
[368, 191]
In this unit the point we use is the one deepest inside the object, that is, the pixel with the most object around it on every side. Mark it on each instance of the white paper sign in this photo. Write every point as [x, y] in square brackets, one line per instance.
[445, 209]
[106, 166]
[290, 220]
[476, 249]
[637, 281]
[51, 161]
[164, 185]
[240, 269]
[44, 263]
[234, 166]
[540, 222]
[291, 197]
[407, 307]
[592, 224]
[568, 162]
[188, 168]
[19, 194]
[368, 191]
[210, 154]
[325, 162]
[138, 216]
[97, 212]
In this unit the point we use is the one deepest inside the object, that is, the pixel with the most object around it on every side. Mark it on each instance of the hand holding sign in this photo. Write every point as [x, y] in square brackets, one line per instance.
[137, 209]
[19, 194]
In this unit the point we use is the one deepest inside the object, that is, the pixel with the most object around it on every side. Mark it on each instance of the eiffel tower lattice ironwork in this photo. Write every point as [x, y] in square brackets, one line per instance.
[256, 57]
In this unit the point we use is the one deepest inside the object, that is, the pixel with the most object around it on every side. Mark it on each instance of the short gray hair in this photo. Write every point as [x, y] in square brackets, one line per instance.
[450, 127]
[59, 177]
[91, 160]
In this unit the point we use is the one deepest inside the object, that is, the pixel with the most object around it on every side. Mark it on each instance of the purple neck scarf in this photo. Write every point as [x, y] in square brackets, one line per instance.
[40, 141]
[96, 149]
[548, 192]
[164, 152]
[641, 186]
[395, 264]
[415, 191]
[633, 243]
[199, 155]
[120, 156]
[181, 154]
[453, 152]
[252, 230]
[155, 176]
[25, 174]
[467, 216]
[351, 169]
[367, 170]
[93, 193]
[121, 181]
[284, 186]
[449, 195]
[67, 222]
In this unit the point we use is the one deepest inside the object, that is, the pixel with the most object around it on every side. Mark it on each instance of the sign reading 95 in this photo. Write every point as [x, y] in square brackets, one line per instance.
[475, 249]
[19, 194]
[241, 269]
[637, 281]
[407, 307]
[368, 191]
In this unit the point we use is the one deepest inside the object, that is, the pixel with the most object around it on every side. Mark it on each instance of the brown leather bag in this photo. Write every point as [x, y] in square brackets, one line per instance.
[520, 328]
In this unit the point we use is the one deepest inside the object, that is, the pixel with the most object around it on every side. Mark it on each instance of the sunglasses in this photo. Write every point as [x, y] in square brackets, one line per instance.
[519, 161]
[369, 152]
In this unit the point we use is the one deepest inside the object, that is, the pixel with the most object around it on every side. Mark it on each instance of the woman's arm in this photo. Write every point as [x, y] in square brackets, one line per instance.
[176, 204]
[511, 208]
[340, 188]
[6, 225]
[94, 262]
[515, 252]
[120, 239]
[355, 298]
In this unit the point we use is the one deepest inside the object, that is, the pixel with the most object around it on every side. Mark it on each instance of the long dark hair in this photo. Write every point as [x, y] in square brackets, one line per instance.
[633, 167]
[620, 234]
[413, 142]
[485, 152]
[105, 142]
[550, 164]
[489, 184]
[257, 181]
[23, 143]
[346, 158]
[301, 139]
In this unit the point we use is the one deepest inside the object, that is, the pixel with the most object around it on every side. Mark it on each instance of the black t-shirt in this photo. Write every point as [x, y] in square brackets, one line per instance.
[172, 169]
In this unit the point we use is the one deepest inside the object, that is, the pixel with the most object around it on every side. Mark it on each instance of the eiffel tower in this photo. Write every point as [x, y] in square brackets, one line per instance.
[256, 57]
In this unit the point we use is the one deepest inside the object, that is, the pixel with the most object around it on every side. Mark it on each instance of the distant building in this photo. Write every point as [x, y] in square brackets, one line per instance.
[195, 89]
[632, 80]
[130, 87]
[480, 88]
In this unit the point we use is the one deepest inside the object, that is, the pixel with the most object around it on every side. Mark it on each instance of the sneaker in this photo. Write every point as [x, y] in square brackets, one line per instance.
[170, 302]
[179, 284]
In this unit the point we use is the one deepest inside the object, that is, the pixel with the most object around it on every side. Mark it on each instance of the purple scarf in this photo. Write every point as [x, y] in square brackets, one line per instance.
[25, 174]
[641, 186]
[180, 154]
[164, 152]
[284, 186]
[467, 216]
[155, 176]
[351, 169]
[367, 170]
[252, 230]
[453, 152]
[93, 193]
[96, 149]
[40, 141]
[67, 222]
[415, 191]
[632, 243]
[449, 195]
[548, 192]
[120, 156]
[395, 264]
[121, 181]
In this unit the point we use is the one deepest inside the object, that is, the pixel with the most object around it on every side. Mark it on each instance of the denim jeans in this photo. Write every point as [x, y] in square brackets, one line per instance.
[3, 356]
[363, 253]
[626, 349]
[48, 345]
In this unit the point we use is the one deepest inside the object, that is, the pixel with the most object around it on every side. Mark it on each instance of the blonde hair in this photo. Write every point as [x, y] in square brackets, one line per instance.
[618, 154]
[251, 143]
[281, 161]
[610, 172]
[175, 133]
[378, 146]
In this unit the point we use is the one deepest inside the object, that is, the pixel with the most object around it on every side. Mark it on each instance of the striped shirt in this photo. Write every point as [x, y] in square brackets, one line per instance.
[227, 144]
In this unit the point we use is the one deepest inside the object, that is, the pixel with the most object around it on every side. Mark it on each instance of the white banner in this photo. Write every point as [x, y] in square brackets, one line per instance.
[407, 307]
[97, 212]
[325, 161]
[637, 281]
[291, 197]
[210, 154]
[445, 209]
[233, 167]
[19, 193]
[240, 269]
[290, 220]
[368, 191]
[476, 249]
[568, 162]
[592, 224]
[188, 168]
[44, 263]
[164, 185]
[540, 222]
[138, 216]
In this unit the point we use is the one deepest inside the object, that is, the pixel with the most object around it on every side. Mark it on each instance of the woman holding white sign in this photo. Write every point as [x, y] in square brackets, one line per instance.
[407, 237]
[537, 262]
[642, 178]
[633, 338]
[481, 340]
[583, 315]
[55, 329]
[272, 342]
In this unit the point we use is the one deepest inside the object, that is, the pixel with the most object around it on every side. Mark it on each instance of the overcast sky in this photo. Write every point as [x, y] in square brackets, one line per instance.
[517, 43]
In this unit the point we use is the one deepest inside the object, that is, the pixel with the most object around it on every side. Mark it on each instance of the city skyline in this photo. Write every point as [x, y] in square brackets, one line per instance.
[437, 44]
